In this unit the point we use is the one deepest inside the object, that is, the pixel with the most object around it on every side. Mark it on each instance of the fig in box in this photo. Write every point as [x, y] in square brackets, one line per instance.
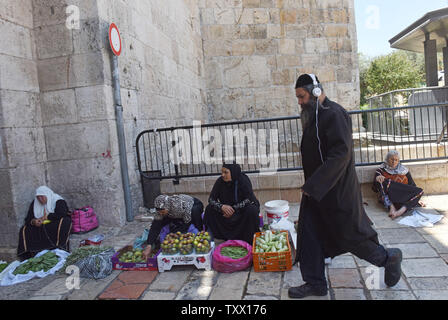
[178, 242]
[202, 242]
[129, 258]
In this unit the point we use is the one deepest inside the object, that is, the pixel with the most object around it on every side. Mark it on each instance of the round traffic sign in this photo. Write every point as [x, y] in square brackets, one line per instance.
[115, 39]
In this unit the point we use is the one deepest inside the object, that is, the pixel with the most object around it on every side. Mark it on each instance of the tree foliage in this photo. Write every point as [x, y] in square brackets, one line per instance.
[397, 70]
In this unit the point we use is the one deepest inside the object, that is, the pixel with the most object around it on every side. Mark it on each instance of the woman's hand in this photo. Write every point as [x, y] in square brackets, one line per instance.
[228, 211]
[380, 179]
[147, 252]
[36, 222]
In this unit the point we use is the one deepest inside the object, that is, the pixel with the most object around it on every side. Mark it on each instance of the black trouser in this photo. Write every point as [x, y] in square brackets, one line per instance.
[312, 258]
[178, 224]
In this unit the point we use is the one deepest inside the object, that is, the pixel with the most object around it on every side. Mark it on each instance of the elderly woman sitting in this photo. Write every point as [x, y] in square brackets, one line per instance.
[47, 225]
[395, 187]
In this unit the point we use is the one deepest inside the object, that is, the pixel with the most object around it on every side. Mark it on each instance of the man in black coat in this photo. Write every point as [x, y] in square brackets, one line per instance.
[332, 219]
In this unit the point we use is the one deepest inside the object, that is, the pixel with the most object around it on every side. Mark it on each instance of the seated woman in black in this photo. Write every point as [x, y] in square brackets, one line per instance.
[47, 225]
[396, 189]
[233, 210]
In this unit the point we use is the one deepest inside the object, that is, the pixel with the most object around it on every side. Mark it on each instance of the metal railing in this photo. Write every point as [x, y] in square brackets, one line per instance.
[411, 96]
[273, 145]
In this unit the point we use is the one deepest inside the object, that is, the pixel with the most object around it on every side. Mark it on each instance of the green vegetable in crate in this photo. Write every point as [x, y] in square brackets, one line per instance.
[43, 263]
[234, 252]
[132, 256]
[271, 242]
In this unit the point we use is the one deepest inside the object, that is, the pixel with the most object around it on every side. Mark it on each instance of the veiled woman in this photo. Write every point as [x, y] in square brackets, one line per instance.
[396, 189]
[47, 224]
[233, 210]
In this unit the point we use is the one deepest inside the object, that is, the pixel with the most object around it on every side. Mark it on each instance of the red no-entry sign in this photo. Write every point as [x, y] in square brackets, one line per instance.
[115, 39]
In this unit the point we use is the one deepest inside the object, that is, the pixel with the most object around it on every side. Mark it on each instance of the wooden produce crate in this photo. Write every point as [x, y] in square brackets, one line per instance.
[271, 261]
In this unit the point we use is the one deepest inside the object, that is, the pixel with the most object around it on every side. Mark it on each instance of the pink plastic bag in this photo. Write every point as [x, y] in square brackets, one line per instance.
[84, 220]
[228, 265]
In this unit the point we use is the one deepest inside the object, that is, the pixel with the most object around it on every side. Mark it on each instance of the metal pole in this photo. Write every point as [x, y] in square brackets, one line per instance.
[121, 140]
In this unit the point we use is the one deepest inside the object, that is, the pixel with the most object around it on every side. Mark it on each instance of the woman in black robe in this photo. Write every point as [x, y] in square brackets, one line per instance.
[47, 225]
[233, 210]
[396, 189]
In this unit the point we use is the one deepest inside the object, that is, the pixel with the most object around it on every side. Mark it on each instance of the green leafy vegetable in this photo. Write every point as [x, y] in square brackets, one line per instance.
[234, 252]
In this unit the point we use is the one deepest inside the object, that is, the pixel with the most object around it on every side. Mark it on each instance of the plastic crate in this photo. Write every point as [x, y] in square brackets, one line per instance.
[271, 261]
[200, 260]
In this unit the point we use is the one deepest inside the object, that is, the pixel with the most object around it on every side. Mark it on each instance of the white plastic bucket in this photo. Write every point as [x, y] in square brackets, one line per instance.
[276, 210]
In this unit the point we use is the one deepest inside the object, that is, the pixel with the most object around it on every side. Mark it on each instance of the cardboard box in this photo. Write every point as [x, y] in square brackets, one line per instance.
[149, 265]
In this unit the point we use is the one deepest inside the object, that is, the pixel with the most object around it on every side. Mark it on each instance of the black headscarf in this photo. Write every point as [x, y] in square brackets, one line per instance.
[235, 191]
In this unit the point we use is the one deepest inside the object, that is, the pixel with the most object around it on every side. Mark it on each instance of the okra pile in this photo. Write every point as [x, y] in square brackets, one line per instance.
[271, 242]
[234, 252]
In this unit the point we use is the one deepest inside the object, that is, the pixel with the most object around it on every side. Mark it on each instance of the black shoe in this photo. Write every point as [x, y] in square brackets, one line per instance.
[392, 268]
[307, 290]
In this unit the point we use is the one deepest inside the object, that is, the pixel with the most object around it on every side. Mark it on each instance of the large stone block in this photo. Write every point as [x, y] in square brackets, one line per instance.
[5, 192]
[77, 141]
[18, 74]
[89, 69]
[25, 179]
[261, 16]
[92, 36]
[316, 46]
[59, 107]
[53, 41]
[246, 73]
[16, 40]
[213, 73]
[18, 11]
[4, 161]
[266, 47]
[95, 103]
[53, 12]
[224, 16]
[287, 46]
[24, 146]
[20, 109]
[53, 73]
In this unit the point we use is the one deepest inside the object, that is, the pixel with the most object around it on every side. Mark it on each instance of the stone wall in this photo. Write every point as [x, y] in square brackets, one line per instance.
[22, 143]
[57, 123]
[255, 50]
[160, 76]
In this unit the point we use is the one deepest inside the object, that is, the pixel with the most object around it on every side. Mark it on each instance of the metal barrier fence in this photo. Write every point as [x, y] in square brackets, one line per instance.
[273, 145]
[409, 97]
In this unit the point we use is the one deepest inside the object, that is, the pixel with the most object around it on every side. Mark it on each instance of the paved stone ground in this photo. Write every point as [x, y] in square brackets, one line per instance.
[424, 276]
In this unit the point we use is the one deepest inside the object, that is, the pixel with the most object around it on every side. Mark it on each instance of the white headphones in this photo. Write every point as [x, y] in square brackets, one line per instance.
[317, 91]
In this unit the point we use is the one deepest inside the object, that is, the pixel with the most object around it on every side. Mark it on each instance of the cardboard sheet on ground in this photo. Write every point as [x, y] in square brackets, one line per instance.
[418, 219]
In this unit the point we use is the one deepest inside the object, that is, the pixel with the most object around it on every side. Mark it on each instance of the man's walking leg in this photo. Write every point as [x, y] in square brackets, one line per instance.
[312, 265]
[374, 253]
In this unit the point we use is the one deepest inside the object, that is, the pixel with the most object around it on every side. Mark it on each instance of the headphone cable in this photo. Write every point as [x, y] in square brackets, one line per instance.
[317, 129]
